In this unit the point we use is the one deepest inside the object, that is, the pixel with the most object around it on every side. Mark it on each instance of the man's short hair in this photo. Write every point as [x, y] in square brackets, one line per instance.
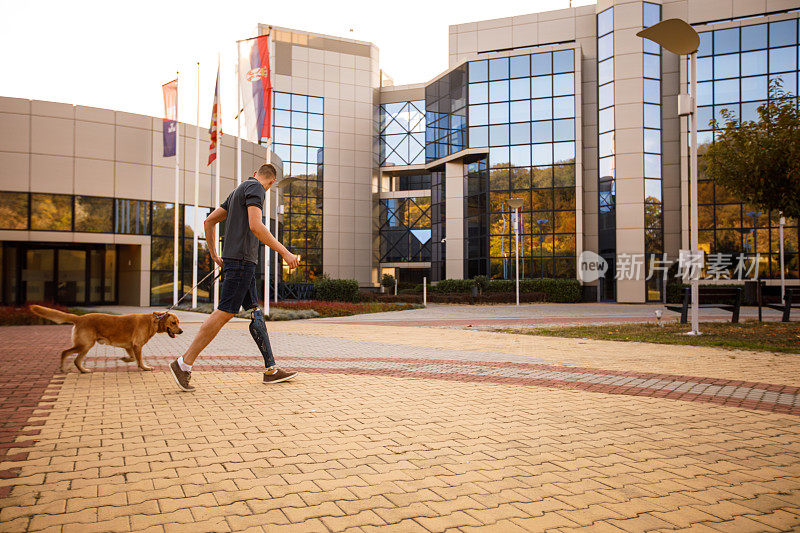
[268, 171]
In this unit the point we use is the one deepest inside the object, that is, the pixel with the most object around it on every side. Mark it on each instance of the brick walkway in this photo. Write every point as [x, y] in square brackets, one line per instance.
[407, 429]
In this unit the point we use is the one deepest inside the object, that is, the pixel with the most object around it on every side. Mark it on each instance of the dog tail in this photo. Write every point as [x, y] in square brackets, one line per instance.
[59, 317]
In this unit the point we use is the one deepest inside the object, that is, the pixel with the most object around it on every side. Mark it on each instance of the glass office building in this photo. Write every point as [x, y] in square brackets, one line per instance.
[567, 111]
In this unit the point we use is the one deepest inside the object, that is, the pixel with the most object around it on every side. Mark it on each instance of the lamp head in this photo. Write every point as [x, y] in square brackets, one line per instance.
[515, 203]
[675, 35]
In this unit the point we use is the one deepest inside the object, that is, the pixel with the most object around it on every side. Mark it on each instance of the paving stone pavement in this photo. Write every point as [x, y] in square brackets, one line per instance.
[399, 429]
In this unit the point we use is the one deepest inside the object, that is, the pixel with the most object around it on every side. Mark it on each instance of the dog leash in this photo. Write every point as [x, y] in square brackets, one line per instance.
[193, 288]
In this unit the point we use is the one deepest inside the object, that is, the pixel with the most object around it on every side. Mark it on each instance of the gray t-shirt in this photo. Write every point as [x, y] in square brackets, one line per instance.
[240, 242]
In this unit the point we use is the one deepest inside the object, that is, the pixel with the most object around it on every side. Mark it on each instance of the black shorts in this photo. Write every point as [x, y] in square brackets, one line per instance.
[238, 286]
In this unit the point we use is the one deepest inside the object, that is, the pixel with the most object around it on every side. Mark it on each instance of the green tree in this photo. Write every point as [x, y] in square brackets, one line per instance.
[759, 161]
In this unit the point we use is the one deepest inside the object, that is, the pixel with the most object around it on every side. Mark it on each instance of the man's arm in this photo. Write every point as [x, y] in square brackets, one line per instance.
[255, 216]
[209, 224]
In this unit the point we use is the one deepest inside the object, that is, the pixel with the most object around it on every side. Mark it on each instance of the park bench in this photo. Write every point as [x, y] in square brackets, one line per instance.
[727, 298]
[791, 298]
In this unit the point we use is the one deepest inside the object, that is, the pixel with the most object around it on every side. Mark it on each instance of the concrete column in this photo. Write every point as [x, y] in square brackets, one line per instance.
[629, 126]
[454, 219]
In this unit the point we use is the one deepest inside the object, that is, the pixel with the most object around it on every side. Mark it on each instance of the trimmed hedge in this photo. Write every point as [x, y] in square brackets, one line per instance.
[337, 290]
[554, 289]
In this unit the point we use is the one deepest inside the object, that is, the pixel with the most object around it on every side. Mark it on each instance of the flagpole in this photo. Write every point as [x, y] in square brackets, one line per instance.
[268, 199]
[176, 256]
[196, 192]
[238, 120]
[216, 180]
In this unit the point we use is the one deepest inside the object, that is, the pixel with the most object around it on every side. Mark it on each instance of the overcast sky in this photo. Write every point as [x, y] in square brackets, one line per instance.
[116, 55]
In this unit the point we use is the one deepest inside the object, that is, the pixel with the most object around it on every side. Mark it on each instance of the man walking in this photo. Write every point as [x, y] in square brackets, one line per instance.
[244, 229]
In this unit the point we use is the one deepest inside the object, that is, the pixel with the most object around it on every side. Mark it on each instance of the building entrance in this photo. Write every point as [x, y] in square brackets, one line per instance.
[66, 274]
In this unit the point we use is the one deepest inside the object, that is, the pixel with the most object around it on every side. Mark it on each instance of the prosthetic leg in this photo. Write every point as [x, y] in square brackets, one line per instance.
[258, 329]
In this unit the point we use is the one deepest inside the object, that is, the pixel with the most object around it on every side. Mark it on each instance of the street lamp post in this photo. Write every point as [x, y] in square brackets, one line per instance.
[680, 38]
[515, 204]
[781, 223]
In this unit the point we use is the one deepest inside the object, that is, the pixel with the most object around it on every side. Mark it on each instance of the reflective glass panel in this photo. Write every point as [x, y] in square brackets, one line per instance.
[706, 38]
[564, 107]
[754, 63]
[541, 64]
[498, 68]
[652, 66]
[652, 166]
[754, 37]
[542, 109]
[606, 119]
[542, 86]
[498, 113]
[542, 131]
[521, 155]
[652, 140]
[498, 91]
[478, 93]
[652, 190]
[726, 66]
[652, 116]
[520, 66]
[606, 143]
[563, 84]
[726, 41]
[498, 135]
[564, 130]
[542, 154]
[479, 137]
[726, 91]
[521, 111]
[478, 115]
[478, 71]
[521, 133]
[754, 88]
[520, 88]
[605, 21]
[652, 91]
[782, 33]
[563, 152]
[606, 95]
[605, 71]
[605, 47]
[783, 59]
[563, 61]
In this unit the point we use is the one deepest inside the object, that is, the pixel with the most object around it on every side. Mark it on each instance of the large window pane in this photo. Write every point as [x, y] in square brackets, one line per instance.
[132, 216]
[51, 212]
[93, 214]
[14, 210]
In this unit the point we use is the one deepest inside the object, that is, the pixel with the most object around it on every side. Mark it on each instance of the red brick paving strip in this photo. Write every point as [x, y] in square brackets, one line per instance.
[27, 385]
[235, 364]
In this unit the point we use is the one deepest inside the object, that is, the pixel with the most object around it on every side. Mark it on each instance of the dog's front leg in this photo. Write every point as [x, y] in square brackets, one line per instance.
[137, 350]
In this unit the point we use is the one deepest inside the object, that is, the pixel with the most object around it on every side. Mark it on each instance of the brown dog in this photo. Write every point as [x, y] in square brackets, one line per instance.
[130, 332]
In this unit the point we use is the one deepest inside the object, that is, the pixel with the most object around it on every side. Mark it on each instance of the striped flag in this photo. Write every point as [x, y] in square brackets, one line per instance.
[170, 91]
[215, 130]
[256, 87]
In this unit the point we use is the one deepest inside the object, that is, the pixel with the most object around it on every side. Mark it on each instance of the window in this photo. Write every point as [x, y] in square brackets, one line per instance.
[738, 65]
[51, 212]
[402, 135]
[302, 118]
[14, 210]
[528, 123]
[94, 214]
[132, 216]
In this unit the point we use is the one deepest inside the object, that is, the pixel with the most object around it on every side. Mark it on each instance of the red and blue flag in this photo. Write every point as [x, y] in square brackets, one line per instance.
[256, 87]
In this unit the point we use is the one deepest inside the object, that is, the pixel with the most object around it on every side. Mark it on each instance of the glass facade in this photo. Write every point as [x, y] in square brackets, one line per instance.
[297, 140]
[405, 229]
[523, 108]
[402, 135]
[734, 68]
[606, 179]
[446, 115]
[653, 206]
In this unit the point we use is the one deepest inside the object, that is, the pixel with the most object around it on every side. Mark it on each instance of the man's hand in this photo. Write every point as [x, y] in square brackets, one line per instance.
[292, 260]
[215, 258]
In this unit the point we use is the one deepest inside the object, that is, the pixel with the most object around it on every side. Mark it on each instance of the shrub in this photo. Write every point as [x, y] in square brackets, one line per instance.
[333, 309]
[22, 316]
[481, 282]
[449, 286]
[387, 282]
[555, 289]
[337, 290]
